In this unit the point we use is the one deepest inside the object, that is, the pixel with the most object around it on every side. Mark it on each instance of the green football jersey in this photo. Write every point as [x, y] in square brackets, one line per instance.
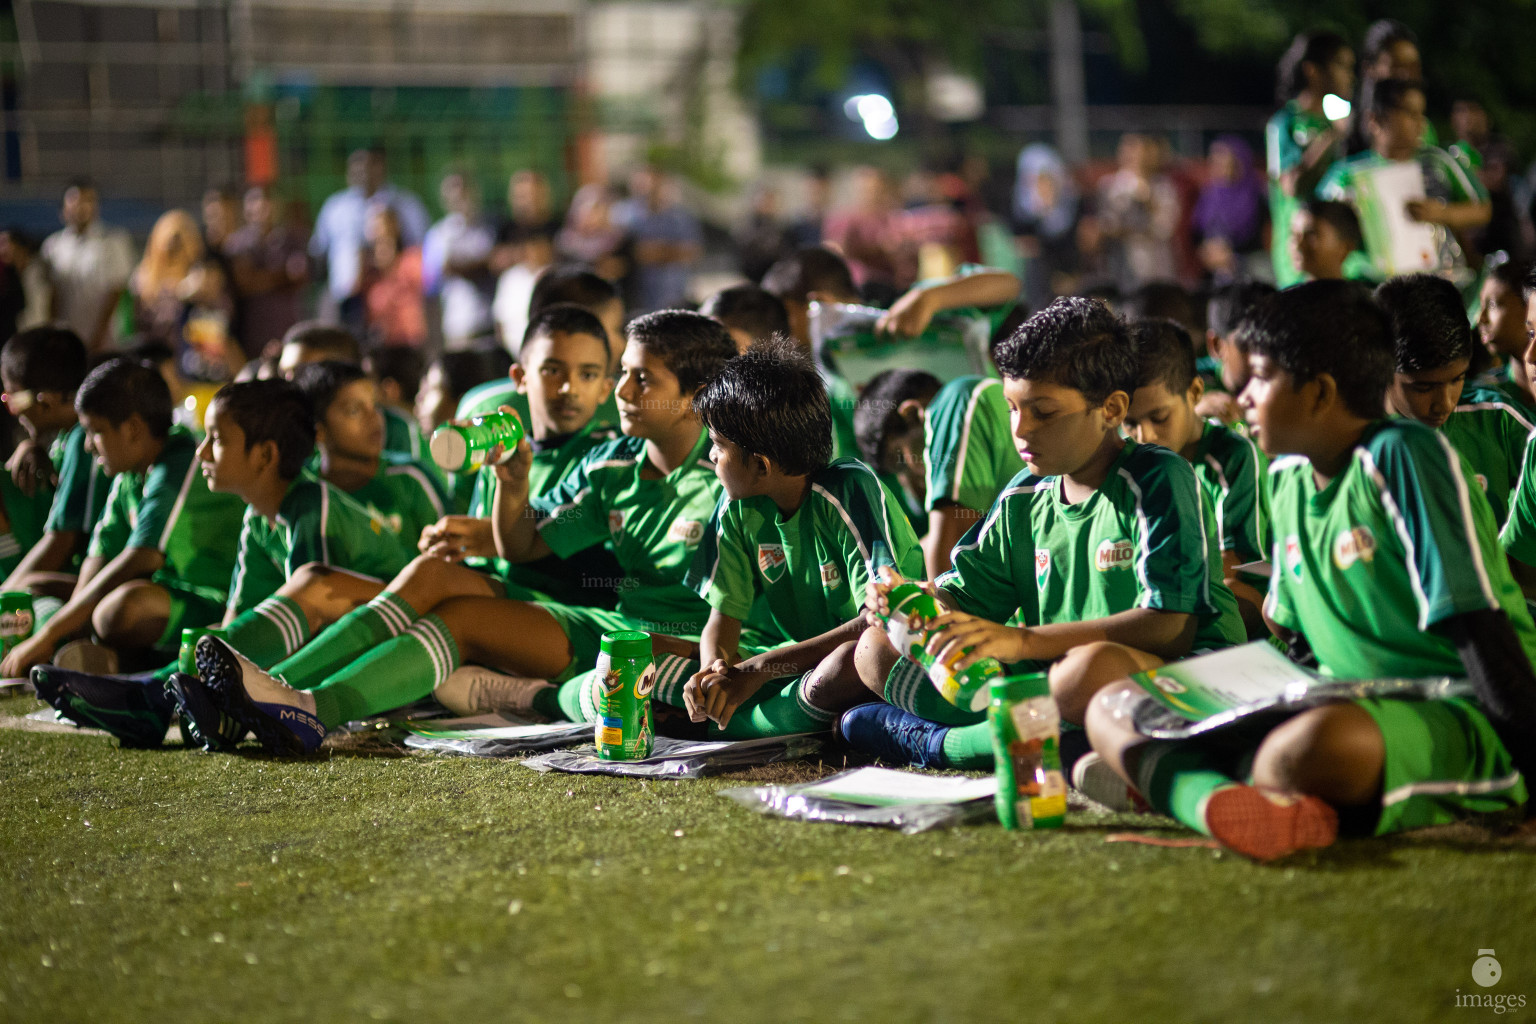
[1396, 544]
[402, 434]
[1144, 539]
[1519, 534]
[81, 496]
[1490, 434]
[1231, 470]
[843, 397]
[809, 570]
[655, 526]
[968, 444]
[1502, 380]
[1287, 136]
[171, 510]
[316, 522]
[1444, 178]
[910, 506]
[403, 496]
[26, 520]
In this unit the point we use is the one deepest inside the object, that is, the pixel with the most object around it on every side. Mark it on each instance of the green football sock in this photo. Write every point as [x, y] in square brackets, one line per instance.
[269, 632]
[400, 671]
[783, 711]
[1178, 778]
[357, 632]
[968, 746]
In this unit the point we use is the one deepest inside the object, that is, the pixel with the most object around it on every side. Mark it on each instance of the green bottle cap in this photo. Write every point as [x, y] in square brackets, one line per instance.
[1022, 687]
[627, 643]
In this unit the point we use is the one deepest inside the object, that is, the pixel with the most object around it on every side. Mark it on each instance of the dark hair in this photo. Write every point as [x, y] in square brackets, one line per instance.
[1331, 327]
[876, 415]
[693, 346]
[817, 269]
[321, 381]
[399, 363]
[150, 351]
[45, 359]
[21, 238]
[1387, 94]
[334, 342]
[1165, 354]
[574, 283]
[566, 318]
[1076, 343]
[1229, 303]
[1163, 300]
[272, 410]
[1510, 273]
[1382, 34]
[1339, 216]
[462, 371]
[750, 309]
[1315, 48]
[120, 389]
[1010, 323]
[771, 401]
[1429, 321]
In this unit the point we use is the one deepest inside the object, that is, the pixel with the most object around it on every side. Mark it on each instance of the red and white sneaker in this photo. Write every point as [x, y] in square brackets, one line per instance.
[1266, 825]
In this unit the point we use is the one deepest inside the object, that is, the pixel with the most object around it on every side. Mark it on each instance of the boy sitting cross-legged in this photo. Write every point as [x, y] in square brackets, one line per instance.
[260, 435]
[1102, 547]
[1228, 465]
[1386, 564]
[650, 492]
[786, 557]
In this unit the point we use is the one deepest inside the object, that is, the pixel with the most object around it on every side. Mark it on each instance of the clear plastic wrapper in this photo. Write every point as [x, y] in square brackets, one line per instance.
[842, 799]
[1155, 721]
[494, 736]
[680, 759]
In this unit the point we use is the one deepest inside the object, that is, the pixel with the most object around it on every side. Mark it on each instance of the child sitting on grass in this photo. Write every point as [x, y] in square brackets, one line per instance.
[1433, 351]
[1103, 549]
[161, 556]
[1229, 466]
[1386, 563]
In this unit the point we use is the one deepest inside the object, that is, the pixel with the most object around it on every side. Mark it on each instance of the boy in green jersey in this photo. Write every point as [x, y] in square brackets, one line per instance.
[1229, 466]
[311, 341]
[650, 493]
[1386, 564]
[1326, 244]
[1519, 534]
[259, 436]
[1501, 327]
[399, 490]
[787, 556]
[1433, 347]
[1225, 368]
[1455, 200]
[41, 369]
[161, 556]
[1102, 549]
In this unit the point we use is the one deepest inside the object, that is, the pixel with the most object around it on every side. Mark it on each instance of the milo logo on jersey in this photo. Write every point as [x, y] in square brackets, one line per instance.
[830, 576]
[615, 521]
[1112, 554]
[1357, 544]
[686, 531]
[1042, 566]
[771, 561]
[1293, 555]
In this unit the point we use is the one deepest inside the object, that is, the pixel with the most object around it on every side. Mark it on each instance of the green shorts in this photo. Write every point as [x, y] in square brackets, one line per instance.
[1444, 763]
[192, 607]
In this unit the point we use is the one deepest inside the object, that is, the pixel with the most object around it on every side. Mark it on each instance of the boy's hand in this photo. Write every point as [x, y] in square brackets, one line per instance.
[908, 316]
[951, 633]
[511, 467]
[1220, 405]
[455, 538]
[876, 594]
[34, 650]
[1427, 211]
[29, 466]
[714, 693]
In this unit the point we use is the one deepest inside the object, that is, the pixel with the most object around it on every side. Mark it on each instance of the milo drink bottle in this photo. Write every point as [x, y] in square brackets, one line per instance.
[626, 676]
[461, 447]
[912, 608]
[186, 660]
[15, 619]
[1026, 742]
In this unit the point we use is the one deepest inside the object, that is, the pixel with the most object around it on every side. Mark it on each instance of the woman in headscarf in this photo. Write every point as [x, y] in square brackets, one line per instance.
[1046, 204]
[182, 299]
[1229, 216]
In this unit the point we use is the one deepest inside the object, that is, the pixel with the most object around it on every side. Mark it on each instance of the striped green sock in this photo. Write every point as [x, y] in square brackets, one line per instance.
[355, 633]
[269, 632]
[400, 671]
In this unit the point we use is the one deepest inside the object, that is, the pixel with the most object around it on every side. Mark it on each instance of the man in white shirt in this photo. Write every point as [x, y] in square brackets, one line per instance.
[454, 264]
[89, 264]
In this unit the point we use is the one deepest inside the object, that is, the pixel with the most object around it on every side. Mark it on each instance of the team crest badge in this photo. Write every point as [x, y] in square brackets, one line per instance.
[1356, 544]
[1042, 567]
[771, 561]
[1293, 555]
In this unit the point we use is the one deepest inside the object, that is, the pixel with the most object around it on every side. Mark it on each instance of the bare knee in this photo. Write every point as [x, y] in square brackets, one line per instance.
[1087, 669]
[427, 582]
[325, 593]
[1110, 729]
[834, 684]
[1334, 752]
[133, 615]
[873, 658]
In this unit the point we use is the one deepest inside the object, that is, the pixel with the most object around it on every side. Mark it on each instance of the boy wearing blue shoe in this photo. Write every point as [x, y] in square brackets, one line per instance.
[1386, 564]
[1103, 548]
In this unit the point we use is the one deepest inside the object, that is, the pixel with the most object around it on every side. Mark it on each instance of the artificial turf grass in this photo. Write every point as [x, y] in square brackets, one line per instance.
[382, 888]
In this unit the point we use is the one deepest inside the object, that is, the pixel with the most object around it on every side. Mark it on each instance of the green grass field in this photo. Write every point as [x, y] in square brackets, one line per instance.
[176, 886]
